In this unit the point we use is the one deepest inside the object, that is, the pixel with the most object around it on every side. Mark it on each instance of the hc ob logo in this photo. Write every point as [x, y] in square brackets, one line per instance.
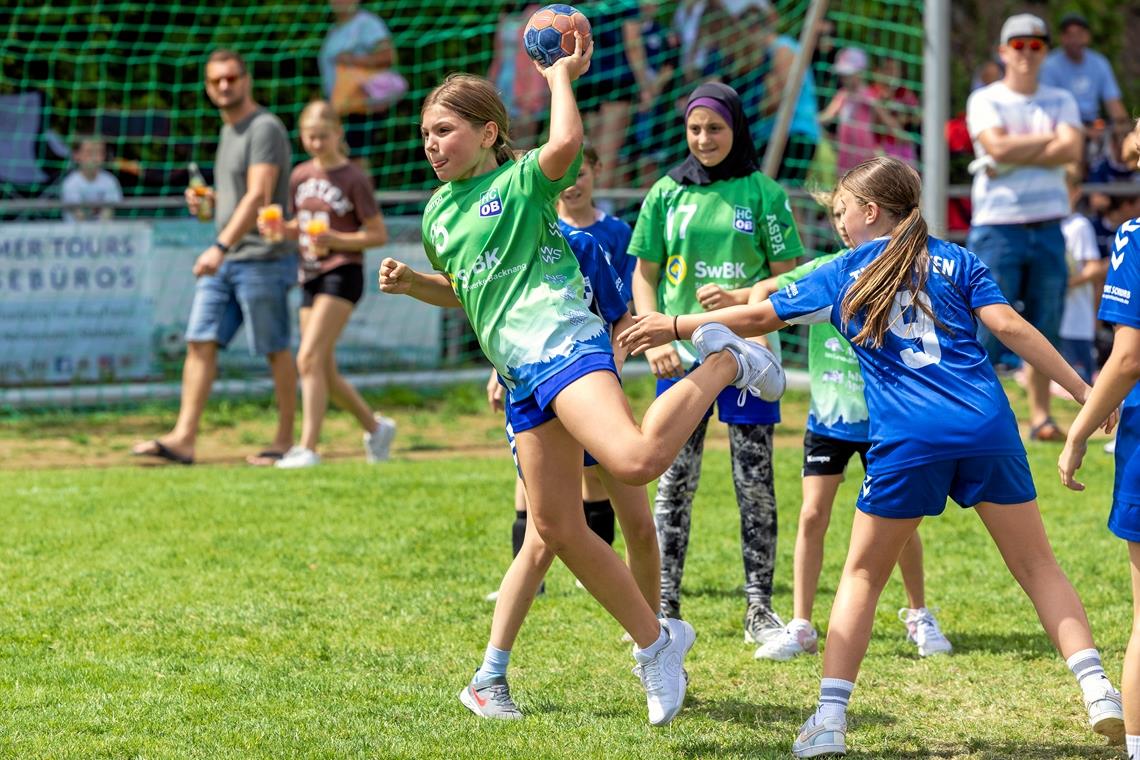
[742, 221]
[676, 269]
[490, 204]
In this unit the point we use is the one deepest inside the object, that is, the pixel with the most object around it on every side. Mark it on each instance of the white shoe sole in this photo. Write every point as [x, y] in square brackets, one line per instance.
[1110, 726]
[691, 634]
[822, 749]
[782, 656]
[765, 637]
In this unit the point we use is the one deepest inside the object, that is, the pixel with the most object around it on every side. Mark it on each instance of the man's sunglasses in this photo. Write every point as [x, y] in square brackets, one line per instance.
[227, 80]
[1033, 44]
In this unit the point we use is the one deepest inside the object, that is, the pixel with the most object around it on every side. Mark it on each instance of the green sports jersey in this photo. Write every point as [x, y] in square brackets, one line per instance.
[838, 407]
[497, 239]
[724, 233]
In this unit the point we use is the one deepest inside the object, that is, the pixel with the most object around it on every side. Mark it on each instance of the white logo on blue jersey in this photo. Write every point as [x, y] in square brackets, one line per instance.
[490, 204]
[1122, 241]
[742, 220]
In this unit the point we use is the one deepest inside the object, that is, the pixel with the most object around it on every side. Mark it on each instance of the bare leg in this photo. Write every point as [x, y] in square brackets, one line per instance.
[1020, 537]
[631, 504]
[1040, 399]
[284, 374]
[910, 565]
[516, 592]
[349, 399]
[1130, 680]
[592, 487]
[198, 373]
[875, 546]
[321, 326]
[819, 496]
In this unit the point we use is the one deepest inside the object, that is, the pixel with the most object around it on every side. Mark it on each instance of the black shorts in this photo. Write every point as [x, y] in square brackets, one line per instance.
[829, 456]
[346, 281]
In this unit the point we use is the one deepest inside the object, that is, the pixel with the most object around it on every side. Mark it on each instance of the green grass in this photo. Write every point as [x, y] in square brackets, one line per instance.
[232, 612]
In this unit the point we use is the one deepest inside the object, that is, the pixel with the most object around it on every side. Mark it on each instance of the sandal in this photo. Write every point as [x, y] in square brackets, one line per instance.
[162, 451]
[1048, 430]
[267, 458]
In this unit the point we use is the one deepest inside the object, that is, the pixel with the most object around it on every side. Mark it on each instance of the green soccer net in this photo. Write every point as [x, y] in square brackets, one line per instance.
[132, 73]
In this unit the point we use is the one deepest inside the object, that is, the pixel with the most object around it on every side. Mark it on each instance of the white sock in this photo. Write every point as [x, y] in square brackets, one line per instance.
[651, 651]
[1133, 745]
[834, 694]
[1086, 666]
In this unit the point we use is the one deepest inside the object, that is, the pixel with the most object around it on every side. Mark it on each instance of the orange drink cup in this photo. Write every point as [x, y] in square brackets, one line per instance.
[272, 218]
[315, 227]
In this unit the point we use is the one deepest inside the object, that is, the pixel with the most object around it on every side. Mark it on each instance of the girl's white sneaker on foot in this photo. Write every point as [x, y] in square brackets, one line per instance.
[297, 458]
[821, 735]
[794, 639]
[378, 444]
[922, 629]
[1106, 715]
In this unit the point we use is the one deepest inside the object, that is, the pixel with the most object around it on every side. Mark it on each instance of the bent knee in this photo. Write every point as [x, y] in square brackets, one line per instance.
[814, 520]
[310, 363]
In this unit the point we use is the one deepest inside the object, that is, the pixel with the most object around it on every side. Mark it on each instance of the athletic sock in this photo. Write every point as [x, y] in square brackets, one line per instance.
[600, 518]
[651, 651]
[494, 664]
[1086, 666]
[518, 532]
[834, 694]
[1133, 745]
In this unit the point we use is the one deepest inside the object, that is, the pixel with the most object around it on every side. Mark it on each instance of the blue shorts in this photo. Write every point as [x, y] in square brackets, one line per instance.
[255, 292]
[535, 409]
[730, 411]
[1124, 520]
[921, 491]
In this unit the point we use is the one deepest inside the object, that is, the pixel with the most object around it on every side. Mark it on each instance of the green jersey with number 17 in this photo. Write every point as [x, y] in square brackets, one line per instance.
[496, 237]
[725, 233]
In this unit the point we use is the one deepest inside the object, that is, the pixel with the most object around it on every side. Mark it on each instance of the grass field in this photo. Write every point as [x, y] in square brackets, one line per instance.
[232, 612]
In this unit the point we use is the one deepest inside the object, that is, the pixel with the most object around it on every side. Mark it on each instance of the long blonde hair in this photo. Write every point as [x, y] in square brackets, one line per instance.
[905, 263]
[476, 101]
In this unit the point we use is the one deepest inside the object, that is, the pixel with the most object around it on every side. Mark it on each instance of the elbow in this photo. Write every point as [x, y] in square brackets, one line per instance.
[1130, 365]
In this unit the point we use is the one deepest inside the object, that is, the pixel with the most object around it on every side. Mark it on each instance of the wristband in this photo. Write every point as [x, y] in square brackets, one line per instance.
[221, 247]
[676, 334]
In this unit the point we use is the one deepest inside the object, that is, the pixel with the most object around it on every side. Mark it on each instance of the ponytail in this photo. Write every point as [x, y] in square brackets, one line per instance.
[904, 264]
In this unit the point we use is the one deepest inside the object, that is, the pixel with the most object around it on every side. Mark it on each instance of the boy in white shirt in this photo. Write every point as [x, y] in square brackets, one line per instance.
[1078, 321]
[90, 184]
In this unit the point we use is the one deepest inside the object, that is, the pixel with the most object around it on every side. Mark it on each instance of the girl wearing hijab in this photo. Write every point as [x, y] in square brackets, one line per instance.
[708, 231]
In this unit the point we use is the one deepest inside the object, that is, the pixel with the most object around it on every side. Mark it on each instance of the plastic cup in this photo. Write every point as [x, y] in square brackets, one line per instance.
[272, 218]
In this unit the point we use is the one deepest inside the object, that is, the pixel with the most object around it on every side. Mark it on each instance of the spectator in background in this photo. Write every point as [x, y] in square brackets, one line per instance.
[760, 64]
[1086, 269]
[690, 23]
[241, 276]
[357, 45]
[988, 72]
[618, 77]
[1024, 133]
[823, 61]
[89, 183]
[653, 125]
[859, 112]
[1086, 74]
[522, 87]
[902, 104]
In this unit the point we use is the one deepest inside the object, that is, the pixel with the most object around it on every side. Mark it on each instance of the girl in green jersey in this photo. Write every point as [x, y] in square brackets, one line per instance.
[492, 235]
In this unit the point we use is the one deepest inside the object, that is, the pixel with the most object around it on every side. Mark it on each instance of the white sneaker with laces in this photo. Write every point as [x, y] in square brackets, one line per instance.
[298, 457]
[760, 373]
[663, 674]
[377, 444]
[1106, 714]
[821, 735]
[490, 700]
[795, 639]
[922, 629]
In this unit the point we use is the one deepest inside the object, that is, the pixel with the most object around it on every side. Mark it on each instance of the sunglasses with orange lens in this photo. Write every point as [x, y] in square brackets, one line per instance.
[1033, 44]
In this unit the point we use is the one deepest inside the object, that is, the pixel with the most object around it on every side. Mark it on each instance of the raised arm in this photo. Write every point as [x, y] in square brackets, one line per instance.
[566, 132]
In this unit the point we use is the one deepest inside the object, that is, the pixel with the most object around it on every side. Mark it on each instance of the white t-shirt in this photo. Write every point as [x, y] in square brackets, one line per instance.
[1077, 321]
[1025, 193]
[78, 189]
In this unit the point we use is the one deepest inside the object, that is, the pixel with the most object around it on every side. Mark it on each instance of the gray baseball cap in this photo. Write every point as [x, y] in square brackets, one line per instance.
[1024, 25]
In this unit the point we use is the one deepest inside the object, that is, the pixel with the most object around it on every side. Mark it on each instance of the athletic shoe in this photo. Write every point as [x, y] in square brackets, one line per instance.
[670, 609]
[821, 735]
[663, 674]
[490, 700]
[1106, 715]
[796, 638]
[922, 629]
[298, 457]
[376, 445]
[761, 624]
[760, 374]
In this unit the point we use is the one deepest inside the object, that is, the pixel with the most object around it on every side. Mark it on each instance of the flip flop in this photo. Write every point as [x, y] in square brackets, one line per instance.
[1048, 430]
[162, 451]
[265, 458]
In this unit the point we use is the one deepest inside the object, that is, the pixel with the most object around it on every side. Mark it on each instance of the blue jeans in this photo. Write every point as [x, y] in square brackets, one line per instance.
[1028, 263]
[244, 291]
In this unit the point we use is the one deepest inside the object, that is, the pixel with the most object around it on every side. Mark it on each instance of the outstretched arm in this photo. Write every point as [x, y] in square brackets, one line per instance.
[657, 329]
[1024, 340]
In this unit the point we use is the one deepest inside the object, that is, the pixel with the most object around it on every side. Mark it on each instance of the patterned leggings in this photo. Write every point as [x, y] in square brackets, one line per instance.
[751, 447]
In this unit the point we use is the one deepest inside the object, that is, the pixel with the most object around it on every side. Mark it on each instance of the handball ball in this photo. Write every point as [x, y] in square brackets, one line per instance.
[549, 34]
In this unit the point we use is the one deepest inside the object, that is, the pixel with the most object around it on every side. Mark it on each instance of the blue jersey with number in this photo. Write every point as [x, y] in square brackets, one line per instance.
[1120, 304]
[614, 235]
[931, 392]
[607, 293]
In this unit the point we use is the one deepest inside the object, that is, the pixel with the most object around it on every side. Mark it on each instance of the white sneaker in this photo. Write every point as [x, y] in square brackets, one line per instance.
[376, 445]
[760, 373]
[795, 639]
[663, 674]
[922, 629]
[490, 700]
[1106, 715]
[821, 736]
[297, 458]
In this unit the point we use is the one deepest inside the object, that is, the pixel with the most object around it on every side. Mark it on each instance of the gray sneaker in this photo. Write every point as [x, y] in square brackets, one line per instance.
[761, 624]
[377, 445]
[490, 700]
[760, 373]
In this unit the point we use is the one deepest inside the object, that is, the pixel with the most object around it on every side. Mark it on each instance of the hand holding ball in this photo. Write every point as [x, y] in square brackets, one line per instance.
[549, 35]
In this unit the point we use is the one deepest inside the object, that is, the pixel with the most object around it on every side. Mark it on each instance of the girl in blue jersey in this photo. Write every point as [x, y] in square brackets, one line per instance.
[910, 306]
[576, 210]
[492, 235]
[1120, 303]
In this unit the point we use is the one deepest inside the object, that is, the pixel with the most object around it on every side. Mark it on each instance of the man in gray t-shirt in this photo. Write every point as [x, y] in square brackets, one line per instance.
[241, 276]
